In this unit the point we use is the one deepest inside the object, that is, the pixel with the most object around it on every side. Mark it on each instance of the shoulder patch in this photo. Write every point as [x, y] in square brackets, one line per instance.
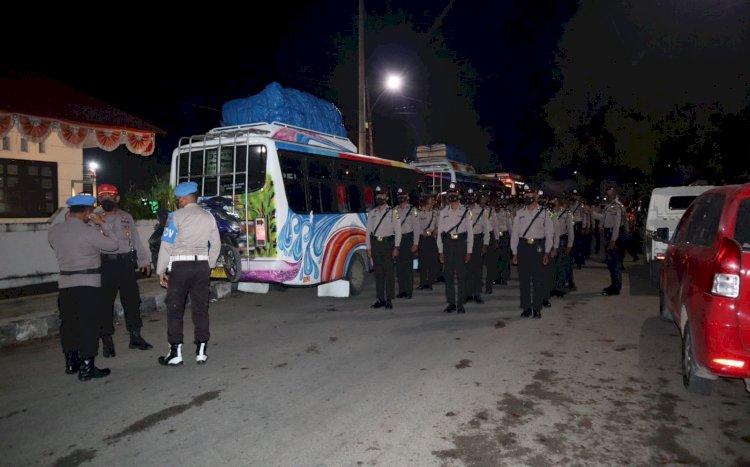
[170, 231]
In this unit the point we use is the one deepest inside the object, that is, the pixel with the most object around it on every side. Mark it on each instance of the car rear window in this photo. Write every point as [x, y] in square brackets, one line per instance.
[704, 222]
[680, 202]
[742, 226]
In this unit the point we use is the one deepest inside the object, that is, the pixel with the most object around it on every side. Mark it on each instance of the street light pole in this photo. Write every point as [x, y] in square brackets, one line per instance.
[362, 92]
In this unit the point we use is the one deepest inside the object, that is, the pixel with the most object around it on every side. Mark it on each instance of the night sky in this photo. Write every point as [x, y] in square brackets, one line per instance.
[496, 79]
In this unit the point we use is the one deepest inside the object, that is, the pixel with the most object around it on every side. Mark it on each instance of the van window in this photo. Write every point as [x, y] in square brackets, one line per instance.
[680, 202]
[742, 227]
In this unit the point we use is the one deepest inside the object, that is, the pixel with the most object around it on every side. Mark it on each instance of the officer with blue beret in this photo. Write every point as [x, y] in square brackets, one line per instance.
[78, 243]
[190, 247]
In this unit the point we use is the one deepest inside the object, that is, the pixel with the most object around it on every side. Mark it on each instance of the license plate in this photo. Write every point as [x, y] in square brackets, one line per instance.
[218, 273]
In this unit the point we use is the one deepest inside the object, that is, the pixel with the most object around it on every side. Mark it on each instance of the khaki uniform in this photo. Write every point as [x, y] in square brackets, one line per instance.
[429, 264]
[455, 239]
[612, 219]
[532, 237]
[383, 235]
[405, 260]
[481, 228]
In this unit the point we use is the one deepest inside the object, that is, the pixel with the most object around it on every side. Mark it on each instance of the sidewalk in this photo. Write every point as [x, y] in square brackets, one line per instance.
[23, 319]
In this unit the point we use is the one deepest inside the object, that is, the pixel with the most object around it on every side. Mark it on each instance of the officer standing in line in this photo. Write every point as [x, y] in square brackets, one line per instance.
[118, 271]
[189, 249]
[587, 229]
[480, 225]
[577, 211]
[531, 243]
[455, 242]
[383, 238]
[409, 244]
[428, 253]
[77, 246]
[566, 237]
[548, 204]
[502, 221]
[612, 219]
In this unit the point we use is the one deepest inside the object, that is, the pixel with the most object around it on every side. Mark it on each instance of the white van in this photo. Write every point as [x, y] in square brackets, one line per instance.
[665, 208]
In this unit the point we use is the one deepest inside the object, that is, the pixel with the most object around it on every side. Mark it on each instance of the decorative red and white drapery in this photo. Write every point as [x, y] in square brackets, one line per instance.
[75, 135]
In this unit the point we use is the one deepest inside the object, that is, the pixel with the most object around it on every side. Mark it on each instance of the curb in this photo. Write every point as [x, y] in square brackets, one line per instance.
[48, 324]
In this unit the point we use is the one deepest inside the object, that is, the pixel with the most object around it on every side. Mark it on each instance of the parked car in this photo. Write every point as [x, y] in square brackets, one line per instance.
[704, 287]
[664, 210]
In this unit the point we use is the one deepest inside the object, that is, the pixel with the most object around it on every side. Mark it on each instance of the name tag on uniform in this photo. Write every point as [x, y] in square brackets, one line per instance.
[454, 236]
[530, 241]
[380, 239]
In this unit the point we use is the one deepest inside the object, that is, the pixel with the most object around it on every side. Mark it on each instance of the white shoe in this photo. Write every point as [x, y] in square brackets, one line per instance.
[174, 357]
[200, 352]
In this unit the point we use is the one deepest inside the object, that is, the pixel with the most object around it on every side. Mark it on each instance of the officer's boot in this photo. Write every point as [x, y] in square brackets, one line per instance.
[108, 346]
[72, 362]
[200, 352]
[138, 342]
[537, 314]
[88, 370]
[174, 357]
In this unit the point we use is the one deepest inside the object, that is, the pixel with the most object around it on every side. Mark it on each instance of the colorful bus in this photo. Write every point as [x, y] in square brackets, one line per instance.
[291, 203]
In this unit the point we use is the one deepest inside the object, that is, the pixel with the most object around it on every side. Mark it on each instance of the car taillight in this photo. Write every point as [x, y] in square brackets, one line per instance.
[726, 281]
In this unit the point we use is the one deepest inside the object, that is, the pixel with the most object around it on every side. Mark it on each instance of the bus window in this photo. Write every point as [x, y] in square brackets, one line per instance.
[369, 197]
[342, 197]
[319, 172]
[294, 178]
[256, 164]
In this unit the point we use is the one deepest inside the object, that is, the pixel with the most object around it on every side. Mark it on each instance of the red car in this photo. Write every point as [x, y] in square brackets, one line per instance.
[704, 287]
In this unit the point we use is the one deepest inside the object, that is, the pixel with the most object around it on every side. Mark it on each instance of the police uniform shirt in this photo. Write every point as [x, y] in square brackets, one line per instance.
[481, 223]
[612, 218]
[190, 231]
[502, 221]
[428, 220]
[78, 246]
[126, 233]
[449, 218]
[565, 225]
[588, 222]
[409, 221]
[541, 227]
[577, 211]
[389, 227]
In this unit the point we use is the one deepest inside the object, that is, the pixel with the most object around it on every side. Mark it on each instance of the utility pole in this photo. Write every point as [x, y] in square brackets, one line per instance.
[362, 141]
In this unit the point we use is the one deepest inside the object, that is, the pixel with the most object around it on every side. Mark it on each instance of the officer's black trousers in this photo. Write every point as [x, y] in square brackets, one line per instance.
[504, 257]
[382, 261]
[490, 264]
[405, 265]
[474, 268]
[533, 275]
[454, 252]
[188, 279]
[429, 265]
[579, 245]
[118, 275]
[80, 317]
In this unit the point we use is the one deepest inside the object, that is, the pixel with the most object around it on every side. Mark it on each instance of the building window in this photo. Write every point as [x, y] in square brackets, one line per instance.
[24, 145]
[6, 143]
[42, 149]
[27, 188]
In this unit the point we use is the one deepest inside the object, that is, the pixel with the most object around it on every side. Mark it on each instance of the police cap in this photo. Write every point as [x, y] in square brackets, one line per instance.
[81, 200]
[185, 188]
[453, 188]
[107, 189]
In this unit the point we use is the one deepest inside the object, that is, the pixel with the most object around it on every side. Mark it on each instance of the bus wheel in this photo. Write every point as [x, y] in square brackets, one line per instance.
[356, 275]
[230, 258]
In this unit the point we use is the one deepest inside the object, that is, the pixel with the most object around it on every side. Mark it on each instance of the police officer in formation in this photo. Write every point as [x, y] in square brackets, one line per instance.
[480, 225]
[455, 243]
[429, 266]
[578, 213]
[410, 237]
[118, 271]
[382, 239]
[531, 243]
[189, 249]
[77, 244]
[565, 235]
[502, 221]
[612, 221]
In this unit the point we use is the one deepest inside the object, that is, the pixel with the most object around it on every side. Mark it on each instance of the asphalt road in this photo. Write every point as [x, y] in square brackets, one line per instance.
[297, 380]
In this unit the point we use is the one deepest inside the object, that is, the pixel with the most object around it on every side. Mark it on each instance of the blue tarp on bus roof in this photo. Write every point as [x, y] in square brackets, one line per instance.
[290, 106]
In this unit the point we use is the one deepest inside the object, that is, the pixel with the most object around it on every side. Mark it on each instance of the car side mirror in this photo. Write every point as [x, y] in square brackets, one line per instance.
[662, 234]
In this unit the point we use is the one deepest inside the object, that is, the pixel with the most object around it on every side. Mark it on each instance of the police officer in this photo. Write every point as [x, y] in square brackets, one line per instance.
[566, 235]
[77, 245]
[612, 220]
[531, 243]
[578, 212]
[409, 219]
[118, 271]
[455, 243]
[383, 238]
[481, 227]
[502, 221]
[189, 249]
[429, 265]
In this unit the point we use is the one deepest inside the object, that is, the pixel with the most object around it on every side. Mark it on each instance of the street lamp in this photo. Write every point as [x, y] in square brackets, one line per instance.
[392, 84]
[92, 168]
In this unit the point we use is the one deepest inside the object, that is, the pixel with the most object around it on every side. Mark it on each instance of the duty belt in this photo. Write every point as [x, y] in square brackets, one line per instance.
[380, 239]
[532, 241]
[115, 256]
[188, 258]
[454, 236]
[81, 271]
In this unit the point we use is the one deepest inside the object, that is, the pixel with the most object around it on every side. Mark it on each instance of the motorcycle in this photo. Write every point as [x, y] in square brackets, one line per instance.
[229, 264]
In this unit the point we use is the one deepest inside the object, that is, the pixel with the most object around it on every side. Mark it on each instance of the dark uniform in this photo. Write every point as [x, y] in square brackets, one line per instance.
[455, 242]
[502, 221]
[480, 225]
[409, 244]
[383, 238]
[612, 219]
[429, 265]
[531, 243]
[189, 249]
[118, 271]
[77, 245]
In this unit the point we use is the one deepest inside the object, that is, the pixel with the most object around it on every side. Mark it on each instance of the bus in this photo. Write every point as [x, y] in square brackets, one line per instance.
[291, 203]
